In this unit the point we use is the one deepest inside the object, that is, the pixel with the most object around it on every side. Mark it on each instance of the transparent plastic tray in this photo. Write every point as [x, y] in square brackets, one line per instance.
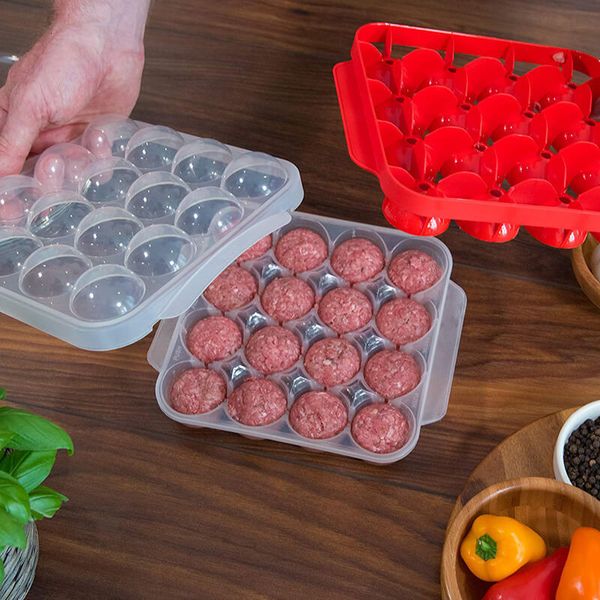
[105, 237]
[435, 352]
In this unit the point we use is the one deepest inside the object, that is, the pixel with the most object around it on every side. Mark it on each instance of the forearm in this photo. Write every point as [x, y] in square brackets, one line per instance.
[121, 21]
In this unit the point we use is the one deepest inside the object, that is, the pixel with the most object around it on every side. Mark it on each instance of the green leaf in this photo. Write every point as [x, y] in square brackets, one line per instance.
[32, 432]
[45, 502]
[11, 533]
[2, 393]
[5, 437]
[30, 469]
[1, 571]
[14, 499]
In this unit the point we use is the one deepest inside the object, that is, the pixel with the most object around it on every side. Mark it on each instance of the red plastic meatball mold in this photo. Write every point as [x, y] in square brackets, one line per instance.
[492, 133]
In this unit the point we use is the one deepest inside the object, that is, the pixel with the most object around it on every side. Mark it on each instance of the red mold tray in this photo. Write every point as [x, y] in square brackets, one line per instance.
[492, 133]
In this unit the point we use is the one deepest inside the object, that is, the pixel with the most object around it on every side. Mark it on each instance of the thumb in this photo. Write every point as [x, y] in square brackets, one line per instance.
[21, 127]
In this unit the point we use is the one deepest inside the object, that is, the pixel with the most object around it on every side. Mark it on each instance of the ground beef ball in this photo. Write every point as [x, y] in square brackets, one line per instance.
[380, 428]
[272, 349]
[261, 247]
[318, 415]
[197, 391]
[332, 361]
[403, 320]
[357, 259]
[256, 402]
[301, 250]
[392, 373]
[287, 298]
[214, 338]
[345, 309]
[414, 271]
[233, 288]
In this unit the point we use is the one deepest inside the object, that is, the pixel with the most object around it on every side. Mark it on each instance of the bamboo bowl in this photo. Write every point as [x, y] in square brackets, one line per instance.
[580, 260]
[552, 508]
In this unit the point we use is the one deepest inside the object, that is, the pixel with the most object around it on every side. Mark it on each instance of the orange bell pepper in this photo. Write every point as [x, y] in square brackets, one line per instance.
[496, 547]
[580, 579]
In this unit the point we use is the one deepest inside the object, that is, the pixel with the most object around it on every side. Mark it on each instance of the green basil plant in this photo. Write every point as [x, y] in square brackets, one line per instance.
[29, 444]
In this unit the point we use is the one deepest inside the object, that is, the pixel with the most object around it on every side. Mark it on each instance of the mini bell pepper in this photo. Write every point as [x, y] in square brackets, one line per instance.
[538, 580]
[496, 547]
[581, 576]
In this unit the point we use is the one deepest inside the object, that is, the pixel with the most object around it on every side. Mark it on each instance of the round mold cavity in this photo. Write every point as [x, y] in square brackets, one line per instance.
[106, 233]
[153, 148]
[106, 292]
[18, 193]
[61, 167]
[108, 135]
[159, 250]
[52, 271]
[107, 181]
[208, 211]
[16, 245]
[254, 176]
[202, 162]
[155, 197]
[56, 216]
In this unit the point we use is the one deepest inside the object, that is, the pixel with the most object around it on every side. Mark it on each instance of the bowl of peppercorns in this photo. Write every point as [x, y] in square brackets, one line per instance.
[577, 450]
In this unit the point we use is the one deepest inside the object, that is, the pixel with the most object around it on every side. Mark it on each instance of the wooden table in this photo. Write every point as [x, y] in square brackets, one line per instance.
[161, 511]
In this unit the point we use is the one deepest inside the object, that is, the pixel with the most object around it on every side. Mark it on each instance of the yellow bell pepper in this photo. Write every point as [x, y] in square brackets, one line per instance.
[496, 547]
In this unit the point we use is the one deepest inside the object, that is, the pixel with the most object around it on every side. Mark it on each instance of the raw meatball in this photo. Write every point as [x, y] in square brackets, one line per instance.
[287, 298]
[392, 373]
[214, 338]
[197, 391]
[332, 361]
[261, 247]
[403, 320]
[318, 415]
[272, 349]
[380, 428]
[414, 271]
[257, 402]
[357, 260]
[345, 309]
[233, 288]
[301, 250]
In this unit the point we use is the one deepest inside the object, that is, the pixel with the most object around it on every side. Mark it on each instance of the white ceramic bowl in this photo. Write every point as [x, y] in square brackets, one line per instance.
[588, 411]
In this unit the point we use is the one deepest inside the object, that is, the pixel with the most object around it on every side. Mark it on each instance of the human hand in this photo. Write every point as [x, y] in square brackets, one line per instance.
[87, 63]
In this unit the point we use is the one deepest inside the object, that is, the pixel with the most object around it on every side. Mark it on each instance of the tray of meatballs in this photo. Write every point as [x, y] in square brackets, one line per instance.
[330, 335]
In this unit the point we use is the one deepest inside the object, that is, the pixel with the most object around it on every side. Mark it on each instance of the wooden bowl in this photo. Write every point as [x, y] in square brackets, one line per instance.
[580, 260]
[552, 508]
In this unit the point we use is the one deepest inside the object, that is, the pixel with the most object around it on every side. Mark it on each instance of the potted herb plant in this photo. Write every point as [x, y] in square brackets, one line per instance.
[29, 444]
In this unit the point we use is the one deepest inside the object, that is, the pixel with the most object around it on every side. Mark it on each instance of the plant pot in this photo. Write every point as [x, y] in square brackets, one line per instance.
[19, 566]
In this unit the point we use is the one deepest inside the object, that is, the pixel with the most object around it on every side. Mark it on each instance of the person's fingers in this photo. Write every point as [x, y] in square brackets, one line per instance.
[57, 135]
[20, 130]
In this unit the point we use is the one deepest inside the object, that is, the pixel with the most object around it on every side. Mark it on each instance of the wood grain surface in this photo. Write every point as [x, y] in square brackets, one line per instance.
[160, 511]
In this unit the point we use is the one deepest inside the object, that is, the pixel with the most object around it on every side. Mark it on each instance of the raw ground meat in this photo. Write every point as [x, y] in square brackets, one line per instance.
[287, 298]
[261, 247]
[357, 259]
[272, 349]
[257, 402]
[403, 320]
[318, 415]
[332, 361]
[301, 249]
[414, 271]
[392, 373]
[233, 288]
[345, 309]
[380, 428]
[197, 391]
[214, 338]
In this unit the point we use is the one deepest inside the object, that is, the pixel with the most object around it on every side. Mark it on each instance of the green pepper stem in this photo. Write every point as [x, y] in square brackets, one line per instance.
[486, 547]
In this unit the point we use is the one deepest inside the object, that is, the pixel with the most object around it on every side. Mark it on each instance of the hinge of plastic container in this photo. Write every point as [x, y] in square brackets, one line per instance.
[567, 67]
[388, 44]
[509, 60]
[449, 51]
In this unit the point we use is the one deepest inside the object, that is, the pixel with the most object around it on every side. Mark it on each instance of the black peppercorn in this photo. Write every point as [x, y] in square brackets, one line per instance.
[582, 457]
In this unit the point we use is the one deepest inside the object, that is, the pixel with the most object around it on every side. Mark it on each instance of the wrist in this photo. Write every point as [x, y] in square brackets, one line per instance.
[120, 23]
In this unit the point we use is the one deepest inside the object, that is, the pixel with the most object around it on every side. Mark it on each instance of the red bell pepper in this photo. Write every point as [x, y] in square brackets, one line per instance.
[538, 580]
